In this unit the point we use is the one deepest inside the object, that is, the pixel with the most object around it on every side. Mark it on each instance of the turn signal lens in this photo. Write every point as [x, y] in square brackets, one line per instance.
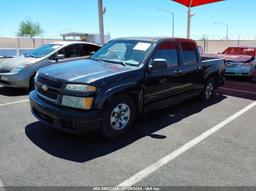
[88, 102]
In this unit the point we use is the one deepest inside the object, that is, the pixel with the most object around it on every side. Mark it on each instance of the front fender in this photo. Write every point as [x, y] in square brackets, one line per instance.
[131, 88]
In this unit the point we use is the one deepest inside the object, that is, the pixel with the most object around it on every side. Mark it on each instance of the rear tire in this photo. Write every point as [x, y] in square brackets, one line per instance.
[119, 116]
[208, 90]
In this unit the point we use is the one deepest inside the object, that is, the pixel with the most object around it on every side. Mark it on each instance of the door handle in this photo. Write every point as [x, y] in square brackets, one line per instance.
[178, 72]
[198, 67]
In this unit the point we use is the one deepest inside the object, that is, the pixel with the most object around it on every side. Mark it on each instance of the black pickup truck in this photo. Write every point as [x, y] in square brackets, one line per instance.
[122, 80]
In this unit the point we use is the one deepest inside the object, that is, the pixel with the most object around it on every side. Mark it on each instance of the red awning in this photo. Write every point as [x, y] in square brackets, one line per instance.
[195, 2]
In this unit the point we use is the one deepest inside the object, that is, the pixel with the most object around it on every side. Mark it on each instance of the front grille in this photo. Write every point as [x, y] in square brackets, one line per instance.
[231, 65]
[4, 82]
[4, 71]
[50, 83]
[51, 94]
[52, 90]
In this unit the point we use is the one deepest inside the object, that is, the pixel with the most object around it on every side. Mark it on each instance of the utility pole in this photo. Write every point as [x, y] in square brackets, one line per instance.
[227, 29]
[189, 22]
[173, 20]
[189, 19]
[101, 21]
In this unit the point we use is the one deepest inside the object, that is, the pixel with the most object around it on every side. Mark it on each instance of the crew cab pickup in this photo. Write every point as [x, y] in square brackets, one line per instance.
[124, 79]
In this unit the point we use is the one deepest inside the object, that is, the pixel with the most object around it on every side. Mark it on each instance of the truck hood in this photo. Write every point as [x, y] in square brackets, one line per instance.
[83, 71]
[9, 64]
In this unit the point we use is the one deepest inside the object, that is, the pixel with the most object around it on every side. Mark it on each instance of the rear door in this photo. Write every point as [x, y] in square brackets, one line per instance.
[192, 68]
[166, 83]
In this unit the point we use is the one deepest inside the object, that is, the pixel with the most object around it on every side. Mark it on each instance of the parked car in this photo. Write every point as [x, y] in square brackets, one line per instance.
[240, 61]
[19, 72]
[124, 79]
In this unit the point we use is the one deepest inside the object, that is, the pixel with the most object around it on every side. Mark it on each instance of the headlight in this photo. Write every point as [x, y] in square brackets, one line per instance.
[80, 88]
[77, 102]
[18, 69]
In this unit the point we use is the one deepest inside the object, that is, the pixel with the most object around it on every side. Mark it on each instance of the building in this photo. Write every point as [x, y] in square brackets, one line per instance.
[94, 38]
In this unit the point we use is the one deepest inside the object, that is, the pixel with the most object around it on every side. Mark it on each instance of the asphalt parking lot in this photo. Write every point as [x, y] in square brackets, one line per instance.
[190, 144]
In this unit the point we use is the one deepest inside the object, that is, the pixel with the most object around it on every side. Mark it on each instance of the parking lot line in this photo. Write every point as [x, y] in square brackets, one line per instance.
[1, 183]
[240, 91]
[163, 161]
[12, 103]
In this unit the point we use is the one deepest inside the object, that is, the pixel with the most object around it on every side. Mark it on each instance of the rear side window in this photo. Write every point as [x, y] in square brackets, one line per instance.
[167, 51]
[189, 53]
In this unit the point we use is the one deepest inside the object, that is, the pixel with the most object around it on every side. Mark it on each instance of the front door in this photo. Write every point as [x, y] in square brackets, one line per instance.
[167, 83]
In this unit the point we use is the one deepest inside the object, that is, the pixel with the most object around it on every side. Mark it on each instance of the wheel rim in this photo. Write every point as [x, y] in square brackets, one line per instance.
[120, 116]
[209, 91]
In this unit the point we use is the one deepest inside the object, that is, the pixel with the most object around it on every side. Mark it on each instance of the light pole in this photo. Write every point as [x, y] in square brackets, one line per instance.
[171, 13]
[227, 29]
[101, 21]
[190, 15]
[189, 18]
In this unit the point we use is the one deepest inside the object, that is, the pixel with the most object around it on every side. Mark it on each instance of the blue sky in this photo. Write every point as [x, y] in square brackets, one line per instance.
[129, 17]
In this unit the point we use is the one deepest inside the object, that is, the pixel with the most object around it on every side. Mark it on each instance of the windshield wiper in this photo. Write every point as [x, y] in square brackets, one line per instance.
[110, 61]
[123, 62]
[30, 56]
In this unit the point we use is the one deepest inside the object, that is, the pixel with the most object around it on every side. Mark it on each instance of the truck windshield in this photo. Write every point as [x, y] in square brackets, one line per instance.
[42, 51]
[130, 52]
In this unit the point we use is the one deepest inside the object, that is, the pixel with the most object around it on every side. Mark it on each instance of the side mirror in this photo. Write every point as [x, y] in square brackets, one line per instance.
[92, 53]
[59, 57]
[158, 64]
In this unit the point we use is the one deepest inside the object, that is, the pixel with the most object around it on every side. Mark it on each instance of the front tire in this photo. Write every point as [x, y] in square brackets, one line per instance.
[119, 115]
[208, 90]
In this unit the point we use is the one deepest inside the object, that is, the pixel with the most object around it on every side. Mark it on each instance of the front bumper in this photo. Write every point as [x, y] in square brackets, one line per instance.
[17, 80]
[64, 119]
[239, 71]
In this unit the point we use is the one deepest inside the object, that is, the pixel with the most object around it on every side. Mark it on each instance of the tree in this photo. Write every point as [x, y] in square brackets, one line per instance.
[30, 29]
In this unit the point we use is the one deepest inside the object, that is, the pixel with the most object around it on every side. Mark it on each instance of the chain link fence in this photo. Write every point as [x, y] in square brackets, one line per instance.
[17, 46]
[216, 46]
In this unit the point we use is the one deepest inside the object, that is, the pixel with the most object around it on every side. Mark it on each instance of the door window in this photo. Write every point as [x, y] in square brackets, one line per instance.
[87, 49]
[167, 51]
[189, 53]
[71, 51]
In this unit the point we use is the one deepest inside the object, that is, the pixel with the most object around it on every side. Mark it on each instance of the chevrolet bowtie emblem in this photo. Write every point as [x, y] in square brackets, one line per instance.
[45, 88]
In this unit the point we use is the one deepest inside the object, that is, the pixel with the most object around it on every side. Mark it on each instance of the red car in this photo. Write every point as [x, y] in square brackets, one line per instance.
[240, 61]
